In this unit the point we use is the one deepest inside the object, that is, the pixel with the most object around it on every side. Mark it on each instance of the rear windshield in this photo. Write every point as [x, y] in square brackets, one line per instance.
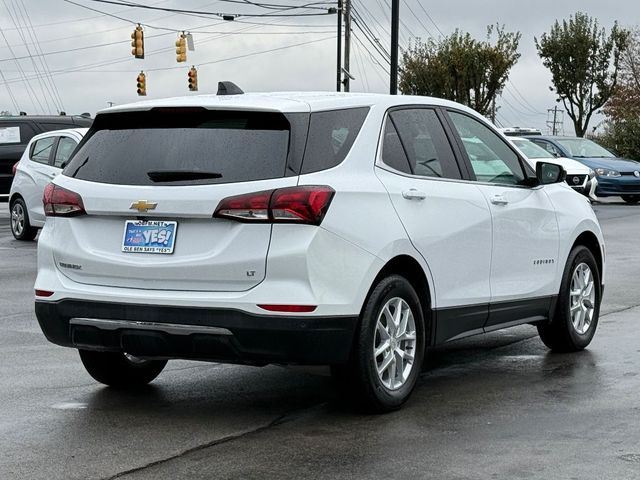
[184, 147]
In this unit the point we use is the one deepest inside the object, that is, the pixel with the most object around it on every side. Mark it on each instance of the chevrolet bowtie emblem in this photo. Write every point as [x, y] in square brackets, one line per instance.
[143, 205]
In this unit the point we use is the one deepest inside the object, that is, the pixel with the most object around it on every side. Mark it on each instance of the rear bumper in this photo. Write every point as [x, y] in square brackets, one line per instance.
[225, 335]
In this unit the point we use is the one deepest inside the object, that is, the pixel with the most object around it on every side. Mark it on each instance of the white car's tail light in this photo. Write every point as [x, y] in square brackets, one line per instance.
[305, 204]
[14, 169]
[59, 202]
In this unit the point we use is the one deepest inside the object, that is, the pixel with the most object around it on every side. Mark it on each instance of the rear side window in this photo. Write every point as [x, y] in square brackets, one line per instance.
[331, 135]
[66, 145]
[182, 147]
[392, 151]
[41, 150]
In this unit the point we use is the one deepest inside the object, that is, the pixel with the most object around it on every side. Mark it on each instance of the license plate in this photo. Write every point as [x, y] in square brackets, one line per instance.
[149, 236]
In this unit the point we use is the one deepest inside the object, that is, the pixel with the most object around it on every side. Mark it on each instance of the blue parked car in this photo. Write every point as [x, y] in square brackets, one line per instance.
[616, 176]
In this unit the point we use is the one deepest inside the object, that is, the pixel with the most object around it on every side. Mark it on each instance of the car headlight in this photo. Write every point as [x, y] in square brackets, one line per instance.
[605, 172]
[591, 173]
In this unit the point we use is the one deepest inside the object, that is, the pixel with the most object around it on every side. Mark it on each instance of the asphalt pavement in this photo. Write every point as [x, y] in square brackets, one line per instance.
[498, 406]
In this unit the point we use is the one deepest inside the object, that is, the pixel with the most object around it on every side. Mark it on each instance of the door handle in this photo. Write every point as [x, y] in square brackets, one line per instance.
[499, 200]
[414, 194]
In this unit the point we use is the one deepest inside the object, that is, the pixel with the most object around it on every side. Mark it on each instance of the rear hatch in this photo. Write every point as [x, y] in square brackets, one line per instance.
[150, 182]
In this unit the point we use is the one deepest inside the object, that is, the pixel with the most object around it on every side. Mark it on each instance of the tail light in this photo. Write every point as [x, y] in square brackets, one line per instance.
[14, 169]
[60, 202]
[305, 204]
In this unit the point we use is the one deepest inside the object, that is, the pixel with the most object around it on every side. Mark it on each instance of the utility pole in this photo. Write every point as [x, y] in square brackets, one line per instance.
[395, 25]
[339, 70]
[347, 43]
[493, 111]
[557, 121]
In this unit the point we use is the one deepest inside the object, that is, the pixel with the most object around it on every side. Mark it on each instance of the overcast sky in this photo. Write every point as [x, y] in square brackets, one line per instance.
[304, 56]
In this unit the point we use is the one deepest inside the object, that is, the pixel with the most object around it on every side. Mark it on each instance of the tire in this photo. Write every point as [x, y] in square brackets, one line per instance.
[359, 379]
[19, 220]
[632, 199]
[566, 333]
[120, 370]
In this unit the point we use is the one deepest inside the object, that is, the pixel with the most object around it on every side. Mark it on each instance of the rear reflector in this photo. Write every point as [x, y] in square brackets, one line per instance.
[43, 293]
[289, 308]
[59, 202]
[304, 204]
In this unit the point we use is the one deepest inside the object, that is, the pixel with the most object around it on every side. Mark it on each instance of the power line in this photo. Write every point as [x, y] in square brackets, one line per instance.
[34, 37]
[362, 25]
[93, 33]
[417, 18]
[46, 94]
[11, 95]
[532, 108]
[219, 14]
[371, 55]
[430, 19]
[30, 91]
[82, 68]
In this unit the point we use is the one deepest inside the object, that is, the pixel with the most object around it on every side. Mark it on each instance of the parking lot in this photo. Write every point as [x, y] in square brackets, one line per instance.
[498, 406]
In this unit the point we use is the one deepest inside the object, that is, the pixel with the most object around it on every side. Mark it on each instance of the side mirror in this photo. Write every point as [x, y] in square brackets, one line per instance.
[548, 173]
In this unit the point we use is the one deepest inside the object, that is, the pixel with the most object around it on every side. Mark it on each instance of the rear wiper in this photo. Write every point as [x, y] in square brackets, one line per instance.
[179, 175]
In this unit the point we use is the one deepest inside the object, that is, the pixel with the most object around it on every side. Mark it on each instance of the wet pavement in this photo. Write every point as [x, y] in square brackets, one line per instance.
[496, 406]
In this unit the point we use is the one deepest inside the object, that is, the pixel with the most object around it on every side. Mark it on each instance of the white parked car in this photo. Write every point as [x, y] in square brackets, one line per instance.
[579, 177]
[43, 159]
[307, 228]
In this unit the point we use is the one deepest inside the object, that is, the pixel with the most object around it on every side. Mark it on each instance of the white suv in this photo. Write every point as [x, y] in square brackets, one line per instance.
[307, 228]
[43, 159]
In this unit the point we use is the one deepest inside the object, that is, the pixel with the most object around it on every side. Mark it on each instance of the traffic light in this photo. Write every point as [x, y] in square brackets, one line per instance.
[181, 48]
[193, 79]
[137, 42]
[142, 84]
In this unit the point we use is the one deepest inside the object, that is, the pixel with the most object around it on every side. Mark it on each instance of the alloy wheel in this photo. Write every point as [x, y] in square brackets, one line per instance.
[582, 298]
[394, 343]
[17, 218]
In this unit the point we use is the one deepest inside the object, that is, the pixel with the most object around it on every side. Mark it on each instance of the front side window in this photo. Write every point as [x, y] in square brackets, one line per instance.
[41, 150]
[66, 145]
[549, 147]
[491, 158]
